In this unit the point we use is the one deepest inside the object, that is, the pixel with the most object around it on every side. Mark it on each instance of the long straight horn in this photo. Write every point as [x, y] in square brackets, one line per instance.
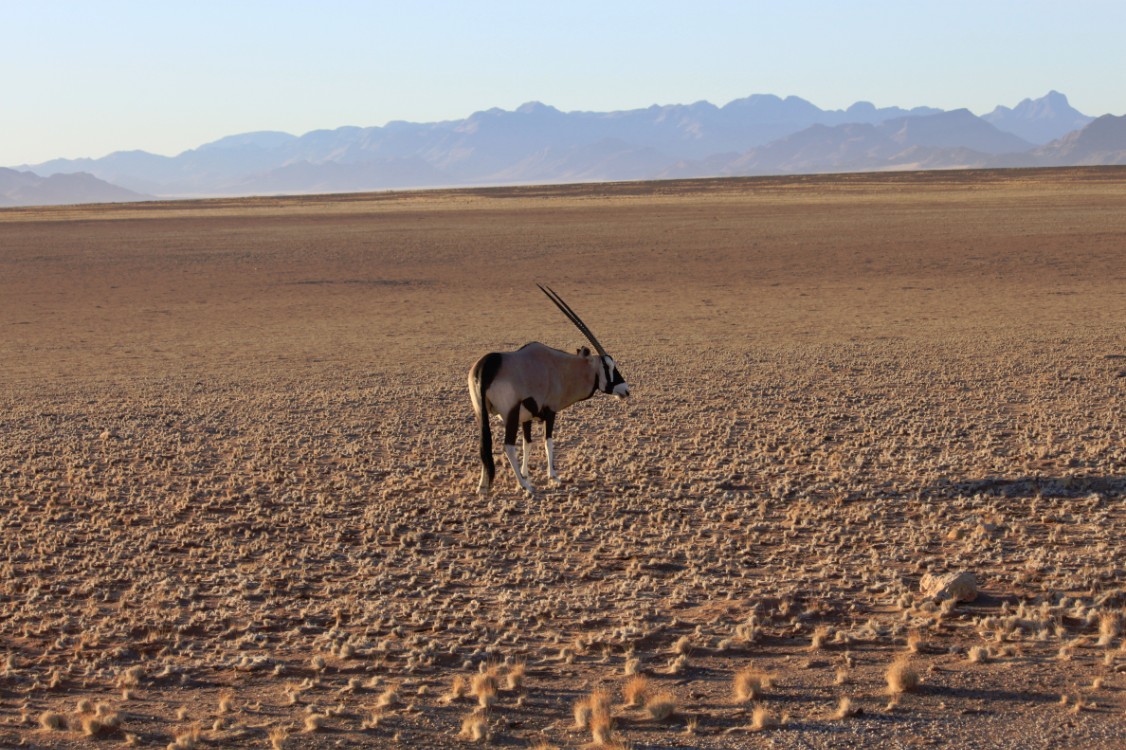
[566, 309]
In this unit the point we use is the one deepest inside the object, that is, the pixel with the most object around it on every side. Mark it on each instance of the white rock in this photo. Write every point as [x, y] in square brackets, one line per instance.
[961, 586]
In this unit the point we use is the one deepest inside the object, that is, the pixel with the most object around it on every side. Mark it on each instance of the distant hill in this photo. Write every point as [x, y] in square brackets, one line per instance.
[537, 143]
[29, 189]
[1040, 120]
[946, 140]
[1101, 142]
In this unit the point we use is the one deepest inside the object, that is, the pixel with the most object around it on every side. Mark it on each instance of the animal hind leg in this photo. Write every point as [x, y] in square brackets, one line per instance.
[549, 446]
[511, 426]
[527, 449]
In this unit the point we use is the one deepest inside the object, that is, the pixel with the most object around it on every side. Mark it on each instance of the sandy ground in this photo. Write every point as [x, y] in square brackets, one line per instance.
[238, 468]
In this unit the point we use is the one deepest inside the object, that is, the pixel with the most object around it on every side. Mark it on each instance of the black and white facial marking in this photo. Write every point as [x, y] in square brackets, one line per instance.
[611, 379]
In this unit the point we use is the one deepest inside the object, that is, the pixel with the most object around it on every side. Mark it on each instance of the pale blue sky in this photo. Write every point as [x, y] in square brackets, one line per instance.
[88, 77]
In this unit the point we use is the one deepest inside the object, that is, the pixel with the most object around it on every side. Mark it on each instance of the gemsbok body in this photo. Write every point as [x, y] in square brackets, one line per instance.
[536, 382]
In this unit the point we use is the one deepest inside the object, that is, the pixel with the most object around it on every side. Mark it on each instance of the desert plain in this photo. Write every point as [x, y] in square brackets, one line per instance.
[238, 468]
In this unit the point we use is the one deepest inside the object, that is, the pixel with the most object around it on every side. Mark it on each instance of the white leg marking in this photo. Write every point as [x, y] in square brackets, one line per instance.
[550, 446]
[510, 451]
[524, 467]
[483, 487]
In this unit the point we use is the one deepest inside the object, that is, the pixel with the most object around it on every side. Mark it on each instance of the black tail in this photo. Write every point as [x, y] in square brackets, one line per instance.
[486, 371]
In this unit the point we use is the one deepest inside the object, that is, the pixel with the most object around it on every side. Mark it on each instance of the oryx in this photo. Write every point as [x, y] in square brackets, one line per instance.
[536, 382]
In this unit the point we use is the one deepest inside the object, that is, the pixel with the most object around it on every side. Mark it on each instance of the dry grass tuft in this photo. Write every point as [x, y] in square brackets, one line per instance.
[601, 729]
[514, 679]
[277, 737]
[594, 713]
[750, 684]
[636, 691]
[590, 708]
[762, 718]
[1110, 627]
[315, 722]
[661, 706]
[186, 739]
[103, 721]
[820, 638]
[459, 688]
[388, 698]
[902, 677]
[914, 642]
[845, 709]
[582, 713]
[484, 687]
[51, 721]
[226, 701]
[474, 727]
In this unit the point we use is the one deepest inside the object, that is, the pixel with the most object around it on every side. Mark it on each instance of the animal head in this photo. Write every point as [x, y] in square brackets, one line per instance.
[610, 379]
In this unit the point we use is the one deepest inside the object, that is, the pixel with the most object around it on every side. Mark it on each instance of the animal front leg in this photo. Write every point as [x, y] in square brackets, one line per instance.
[549, 446]
[511, 426]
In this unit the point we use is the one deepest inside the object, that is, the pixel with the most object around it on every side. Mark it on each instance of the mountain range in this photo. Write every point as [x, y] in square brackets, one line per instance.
[29, 189]
[757, 135]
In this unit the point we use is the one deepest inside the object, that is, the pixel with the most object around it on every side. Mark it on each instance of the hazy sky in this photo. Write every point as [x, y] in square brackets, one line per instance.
[88, 77]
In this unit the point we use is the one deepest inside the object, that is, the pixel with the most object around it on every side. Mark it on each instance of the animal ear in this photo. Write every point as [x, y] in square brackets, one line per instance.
[585, 351]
